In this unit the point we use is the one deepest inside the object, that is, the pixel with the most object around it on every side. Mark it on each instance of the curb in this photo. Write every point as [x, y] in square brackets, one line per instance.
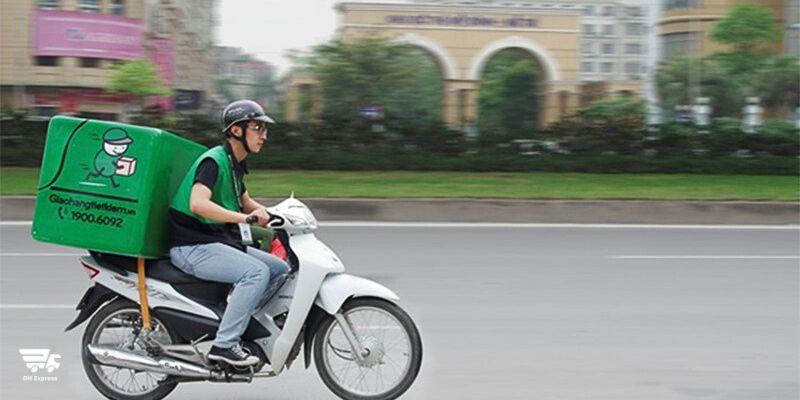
[20, 208]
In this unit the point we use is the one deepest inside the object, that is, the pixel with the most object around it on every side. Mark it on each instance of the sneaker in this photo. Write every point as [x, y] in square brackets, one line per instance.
[235, 356]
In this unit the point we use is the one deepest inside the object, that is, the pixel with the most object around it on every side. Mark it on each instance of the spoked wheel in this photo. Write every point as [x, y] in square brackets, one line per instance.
[118, 325]
[392, 351]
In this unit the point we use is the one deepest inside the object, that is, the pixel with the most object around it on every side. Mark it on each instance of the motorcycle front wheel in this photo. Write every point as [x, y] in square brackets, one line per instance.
[117, 325]
[392, 345]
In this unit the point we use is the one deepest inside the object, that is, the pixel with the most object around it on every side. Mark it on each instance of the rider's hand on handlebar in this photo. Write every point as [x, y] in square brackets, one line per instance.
[261, 214]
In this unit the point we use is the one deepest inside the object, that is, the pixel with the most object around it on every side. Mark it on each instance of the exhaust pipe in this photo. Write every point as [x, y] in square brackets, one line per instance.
[124, 359]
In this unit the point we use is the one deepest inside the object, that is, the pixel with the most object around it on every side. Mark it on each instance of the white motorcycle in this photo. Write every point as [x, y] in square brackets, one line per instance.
[364, 345]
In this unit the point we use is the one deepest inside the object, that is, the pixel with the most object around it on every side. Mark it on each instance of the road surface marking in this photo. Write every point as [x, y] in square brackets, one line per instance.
[374, 224]
[37, 306]
[42, 254]
[704, 257]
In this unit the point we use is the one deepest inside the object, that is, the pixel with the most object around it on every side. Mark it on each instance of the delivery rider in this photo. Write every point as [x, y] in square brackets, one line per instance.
[209, 235]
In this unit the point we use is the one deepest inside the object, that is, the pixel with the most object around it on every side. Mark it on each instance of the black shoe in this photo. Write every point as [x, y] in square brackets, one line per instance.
[235, 356]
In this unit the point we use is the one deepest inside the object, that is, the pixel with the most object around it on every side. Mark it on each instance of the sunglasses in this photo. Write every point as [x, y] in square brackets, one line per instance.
[257, 127]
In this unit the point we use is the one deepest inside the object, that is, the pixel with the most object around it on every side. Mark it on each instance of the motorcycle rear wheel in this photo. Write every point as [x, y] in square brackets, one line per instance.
[113, 325]
[393, 343]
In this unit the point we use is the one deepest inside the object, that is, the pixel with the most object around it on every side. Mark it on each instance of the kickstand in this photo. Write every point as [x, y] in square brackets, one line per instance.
[197, 351]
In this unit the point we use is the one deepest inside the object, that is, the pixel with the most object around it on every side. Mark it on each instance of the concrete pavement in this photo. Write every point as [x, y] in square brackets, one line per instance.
[514, 313]
[16, 208]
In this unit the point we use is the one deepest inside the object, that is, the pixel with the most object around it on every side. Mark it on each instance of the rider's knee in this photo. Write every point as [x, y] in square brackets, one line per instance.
[258, 273]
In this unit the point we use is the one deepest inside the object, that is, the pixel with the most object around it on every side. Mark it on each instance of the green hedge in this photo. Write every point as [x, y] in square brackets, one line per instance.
[486, 162]
[674, 148]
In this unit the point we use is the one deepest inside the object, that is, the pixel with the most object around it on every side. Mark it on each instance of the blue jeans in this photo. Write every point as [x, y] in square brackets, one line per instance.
[257, 275]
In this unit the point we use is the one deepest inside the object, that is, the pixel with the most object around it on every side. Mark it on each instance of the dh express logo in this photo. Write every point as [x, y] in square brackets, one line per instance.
[40, 359]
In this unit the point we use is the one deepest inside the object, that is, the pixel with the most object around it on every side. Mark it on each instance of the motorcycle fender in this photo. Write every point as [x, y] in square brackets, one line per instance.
[337, 288]
[95, 297]
[315, 317]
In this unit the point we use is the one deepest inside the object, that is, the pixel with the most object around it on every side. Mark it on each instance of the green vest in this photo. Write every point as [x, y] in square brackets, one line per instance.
[223, 192]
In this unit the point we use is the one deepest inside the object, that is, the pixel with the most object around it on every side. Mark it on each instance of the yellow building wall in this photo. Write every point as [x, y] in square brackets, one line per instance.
[461, 51]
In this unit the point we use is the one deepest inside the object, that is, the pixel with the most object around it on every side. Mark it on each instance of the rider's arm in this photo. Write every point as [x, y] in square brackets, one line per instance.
[253, 207]
[249, 204]
[200, 203]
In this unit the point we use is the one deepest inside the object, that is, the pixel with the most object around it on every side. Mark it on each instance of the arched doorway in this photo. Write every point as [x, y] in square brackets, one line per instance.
[509, 96]
[544, 64]
[433, 67]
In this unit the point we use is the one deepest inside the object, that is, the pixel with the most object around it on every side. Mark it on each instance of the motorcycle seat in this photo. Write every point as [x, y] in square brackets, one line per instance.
[161, 269]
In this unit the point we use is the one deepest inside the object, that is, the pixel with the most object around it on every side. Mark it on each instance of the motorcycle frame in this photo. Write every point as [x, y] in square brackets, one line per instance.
[318, 281]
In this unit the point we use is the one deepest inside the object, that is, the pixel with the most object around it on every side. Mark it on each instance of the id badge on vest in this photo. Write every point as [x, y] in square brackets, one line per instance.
[246, 234]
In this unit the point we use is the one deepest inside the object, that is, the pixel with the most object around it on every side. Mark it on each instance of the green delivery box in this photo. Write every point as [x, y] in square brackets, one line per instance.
[106, 186]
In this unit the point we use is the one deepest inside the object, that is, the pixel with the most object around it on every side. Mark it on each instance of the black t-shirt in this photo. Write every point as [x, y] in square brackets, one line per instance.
[186, 230]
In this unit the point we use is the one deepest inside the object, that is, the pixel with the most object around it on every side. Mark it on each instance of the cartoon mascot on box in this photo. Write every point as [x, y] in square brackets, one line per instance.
[109, 161]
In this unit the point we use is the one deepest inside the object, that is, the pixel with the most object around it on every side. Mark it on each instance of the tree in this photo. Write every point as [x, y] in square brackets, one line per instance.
[374, 72]
[748, 69]
[508, 98]
[267, 91]
[746, 27]
[778, 82]
[137, 78]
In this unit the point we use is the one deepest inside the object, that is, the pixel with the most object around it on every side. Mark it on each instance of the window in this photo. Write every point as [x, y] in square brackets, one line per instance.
[46, 61]
[90, 62]
[633, 29]
[632, 68]
[43, 112]
[633, 48]
[92, 6]
[117, 7]
[607, 67]
[588, 29]
[678, 44]
[588, 10]
[47, 4]
[608, 48]
[608, 29]
[633, 11]
[587, 67]
[673, 4]
[587, 48]
[608, 11]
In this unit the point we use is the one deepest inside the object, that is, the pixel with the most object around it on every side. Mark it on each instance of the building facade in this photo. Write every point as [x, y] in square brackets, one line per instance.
[463, 35]
[57, 56]
[190, 26]
[239, 75]
[614, 45]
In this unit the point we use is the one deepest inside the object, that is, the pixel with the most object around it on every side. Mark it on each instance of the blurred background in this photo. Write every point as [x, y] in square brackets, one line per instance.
[585, 100]
[573, 85]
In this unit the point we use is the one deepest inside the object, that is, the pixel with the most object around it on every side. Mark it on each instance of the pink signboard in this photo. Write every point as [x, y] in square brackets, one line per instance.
[163, 57]
[79, 34]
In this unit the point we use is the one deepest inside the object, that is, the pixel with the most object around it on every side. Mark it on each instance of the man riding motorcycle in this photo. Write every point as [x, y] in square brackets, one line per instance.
[210, 234]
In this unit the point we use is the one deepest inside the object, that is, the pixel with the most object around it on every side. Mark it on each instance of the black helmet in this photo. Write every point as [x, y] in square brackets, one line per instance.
[243, 110]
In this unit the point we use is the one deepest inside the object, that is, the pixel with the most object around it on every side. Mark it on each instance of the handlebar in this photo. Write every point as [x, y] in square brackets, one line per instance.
[274, 220]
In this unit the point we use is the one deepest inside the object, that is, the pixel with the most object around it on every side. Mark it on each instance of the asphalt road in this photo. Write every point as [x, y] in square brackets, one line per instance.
[505, 313]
